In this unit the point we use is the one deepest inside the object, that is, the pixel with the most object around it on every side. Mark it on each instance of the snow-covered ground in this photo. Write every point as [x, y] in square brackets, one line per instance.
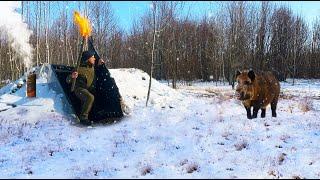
[197, 131]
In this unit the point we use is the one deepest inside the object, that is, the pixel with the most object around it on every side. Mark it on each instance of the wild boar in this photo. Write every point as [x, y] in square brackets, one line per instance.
[257, 90]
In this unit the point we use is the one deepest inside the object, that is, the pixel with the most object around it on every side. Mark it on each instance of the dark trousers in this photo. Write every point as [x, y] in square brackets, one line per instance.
[87, 99]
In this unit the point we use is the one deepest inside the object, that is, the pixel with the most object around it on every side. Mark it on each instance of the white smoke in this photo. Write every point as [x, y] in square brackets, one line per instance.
[16, 30]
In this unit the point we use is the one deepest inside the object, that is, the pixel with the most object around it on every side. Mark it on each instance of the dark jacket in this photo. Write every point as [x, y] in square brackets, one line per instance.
[86, 77]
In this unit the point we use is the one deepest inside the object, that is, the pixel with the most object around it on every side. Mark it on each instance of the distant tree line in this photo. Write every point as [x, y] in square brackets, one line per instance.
[238, 35]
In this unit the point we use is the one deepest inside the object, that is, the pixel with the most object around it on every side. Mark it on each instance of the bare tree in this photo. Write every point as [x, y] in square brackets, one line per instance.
[154, 10]
[261, 34]
[47, 20]
[281, 41]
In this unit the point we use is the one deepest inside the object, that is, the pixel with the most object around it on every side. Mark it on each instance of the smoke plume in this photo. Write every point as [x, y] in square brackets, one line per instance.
[15, 30]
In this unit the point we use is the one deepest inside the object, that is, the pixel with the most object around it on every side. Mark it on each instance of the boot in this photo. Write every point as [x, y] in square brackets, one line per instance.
[85, 121]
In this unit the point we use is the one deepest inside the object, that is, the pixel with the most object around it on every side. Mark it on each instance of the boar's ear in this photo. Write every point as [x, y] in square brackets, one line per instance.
[238, 73]
[251, 75]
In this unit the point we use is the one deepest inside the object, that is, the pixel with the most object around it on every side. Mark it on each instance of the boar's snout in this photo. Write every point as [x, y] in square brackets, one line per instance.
[239, 95]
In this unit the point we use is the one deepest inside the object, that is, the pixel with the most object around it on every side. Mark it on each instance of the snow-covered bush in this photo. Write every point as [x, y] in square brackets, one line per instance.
[306, 105]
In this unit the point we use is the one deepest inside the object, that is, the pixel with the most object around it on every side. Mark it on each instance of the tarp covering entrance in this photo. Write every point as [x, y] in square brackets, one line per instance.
[107, 98]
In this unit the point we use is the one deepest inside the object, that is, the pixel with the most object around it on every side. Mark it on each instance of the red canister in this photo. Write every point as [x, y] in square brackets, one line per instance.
[31, 85]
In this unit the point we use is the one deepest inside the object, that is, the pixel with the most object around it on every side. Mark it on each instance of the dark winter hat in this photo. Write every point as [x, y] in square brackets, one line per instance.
[86, 55]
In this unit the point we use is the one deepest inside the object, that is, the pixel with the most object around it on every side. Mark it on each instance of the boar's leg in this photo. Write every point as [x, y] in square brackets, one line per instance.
[274, 107]
[263, 112]
[248, 112]
[255, 111]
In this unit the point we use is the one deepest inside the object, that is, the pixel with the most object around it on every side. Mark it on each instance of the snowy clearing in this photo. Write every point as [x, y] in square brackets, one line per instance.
[197, 131]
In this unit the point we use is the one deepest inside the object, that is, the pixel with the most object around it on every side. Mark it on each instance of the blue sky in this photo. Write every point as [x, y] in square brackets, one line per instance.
[127, 11]
[307, 9]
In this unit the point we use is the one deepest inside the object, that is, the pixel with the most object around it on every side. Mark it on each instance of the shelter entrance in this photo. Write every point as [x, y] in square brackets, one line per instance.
[107, 103]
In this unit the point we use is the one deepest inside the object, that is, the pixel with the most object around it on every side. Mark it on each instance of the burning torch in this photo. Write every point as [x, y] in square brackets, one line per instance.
[85, 31]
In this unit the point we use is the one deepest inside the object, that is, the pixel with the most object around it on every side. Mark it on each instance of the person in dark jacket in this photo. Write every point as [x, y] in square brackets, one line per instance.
[85, 84]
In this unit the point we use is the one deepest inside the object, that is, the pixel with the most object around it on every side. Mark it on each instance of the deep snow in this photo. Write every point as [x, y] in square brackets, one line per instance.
[197, 131]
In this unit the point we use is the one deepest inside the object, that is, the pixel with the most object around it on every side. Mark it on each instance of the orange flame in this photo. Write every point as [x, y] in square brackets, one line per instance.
[83, 23]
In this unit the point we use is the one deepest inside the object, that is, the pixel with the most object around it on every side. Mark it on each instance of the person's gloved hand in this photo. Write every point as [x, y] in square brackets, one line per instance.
[74, 75]
[101, 61]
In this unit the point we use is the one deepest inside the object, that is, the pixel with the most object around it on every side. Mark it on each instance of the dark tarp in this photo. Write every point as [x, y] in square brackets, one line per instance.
[107, 98]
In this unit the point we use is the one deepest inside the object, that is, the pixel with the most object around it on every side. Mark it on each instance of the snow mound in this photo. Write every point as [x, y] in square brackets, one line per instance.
[132, 83]
[133, 86]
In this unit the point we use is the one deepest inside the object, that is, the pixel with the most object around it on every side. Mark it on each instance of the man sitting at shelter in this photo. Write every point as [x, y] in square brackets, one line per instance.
[85, 84]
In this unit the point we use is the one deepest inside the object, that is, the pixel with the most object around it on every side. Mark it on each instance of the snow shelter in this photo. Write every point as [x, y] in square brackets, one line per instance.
[106, 105]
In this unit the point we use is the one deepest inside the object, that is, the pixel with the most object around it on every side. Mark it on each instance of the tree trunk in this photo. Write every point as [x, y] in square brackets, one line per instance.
[152, 52]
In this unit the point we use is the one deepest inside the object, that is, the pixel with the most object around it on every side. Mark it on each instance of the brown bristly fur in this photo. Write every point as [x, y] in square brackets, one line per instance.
[258, 90]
